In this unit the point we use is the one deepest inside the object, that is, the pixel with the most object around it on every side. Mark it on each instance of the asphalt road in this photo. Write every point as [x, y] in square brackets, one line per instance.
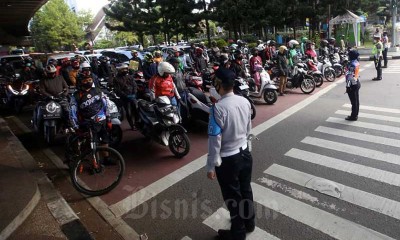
[315, 175]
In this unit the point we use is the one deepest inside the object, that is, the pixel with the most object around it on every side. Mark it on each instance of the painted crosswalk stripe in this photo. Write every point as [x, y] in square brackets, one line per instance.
[364, 199]
[377, 109]
[371, 116]
[318, 219]
[220, 220]
[359, 151]
[379, 127]
[344, 166]
[359, 136]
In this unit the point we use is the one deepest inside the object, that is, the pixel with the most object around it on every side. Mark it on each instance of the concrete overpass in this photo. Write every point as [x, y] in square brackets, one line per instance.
[14, 19]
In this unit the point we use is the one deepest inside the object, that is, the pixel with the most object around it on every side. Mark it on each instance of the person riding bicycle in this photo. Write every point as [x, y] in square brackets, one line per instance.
[89, 109]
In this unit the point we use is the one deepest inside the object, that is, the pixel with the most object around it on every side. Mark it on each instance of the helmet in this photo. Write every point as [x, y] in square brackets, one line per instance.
[157, 54]
[50, 68]
[174, 60]
[233, 46]
[309, 44]
[85, 66]
[239, 42]
[254, 50]
[165, 67]
[353, 54]
[293, 43]
[282, 49]
[324, 42]
[199, 51]
[133, 51]
[213, 42]
[223, 59]
[304, 39]
[332, 40]
[121, 66]
[259, 41]
[162, 101]
[272, 43]
[237, 53]
[201, 44]
[148, 57]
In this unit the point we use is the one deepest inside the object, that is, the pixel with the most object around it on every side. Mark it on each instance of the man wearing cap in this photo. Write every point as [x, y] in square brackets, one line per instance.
[385, 42]
[135, 63]
[229, 159]
[377, 52]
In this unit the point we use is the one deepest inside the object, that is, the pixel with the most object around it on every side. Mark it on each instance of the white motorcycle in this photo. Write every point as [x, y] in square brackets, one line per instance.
[325, 67]
[267, 88]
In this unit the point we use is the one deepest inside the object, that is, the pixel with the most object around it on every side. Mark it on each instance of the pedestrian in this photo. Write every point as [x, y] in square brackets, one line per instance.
[353, 84]
[385, 42]
[377, 52]
[229, 159]
[283, 69]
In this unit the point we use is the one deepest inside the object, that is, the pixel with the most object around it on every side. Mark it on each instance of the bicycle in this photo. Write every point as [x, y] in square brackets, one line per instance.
[94, 170]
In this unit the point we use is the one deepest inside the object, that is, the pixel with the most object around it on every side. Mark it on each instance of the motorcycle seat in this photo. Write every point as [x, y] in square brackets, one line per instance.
[146, 106]
[198, 94]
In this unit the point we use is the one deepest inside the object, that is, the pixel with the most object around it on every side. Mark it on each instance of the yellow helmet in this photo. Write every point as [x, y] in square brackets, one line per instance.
[282, 49]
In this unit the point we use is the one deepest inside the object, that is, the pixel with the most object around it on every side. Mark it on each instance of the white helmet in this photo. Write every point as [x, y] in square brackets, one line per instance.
[292, 43]
[50, 68]
[85, 65]
[165, 67]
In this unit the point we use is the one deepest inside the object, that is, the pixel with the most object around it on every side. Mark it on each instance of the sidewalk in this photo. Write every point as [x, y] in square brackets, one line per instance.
[30, 206]
[369, 57]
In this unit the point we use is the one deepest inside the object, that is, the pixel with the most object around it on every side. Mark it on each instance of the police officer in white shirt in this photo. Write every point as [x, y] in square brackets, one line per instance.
[229, 159]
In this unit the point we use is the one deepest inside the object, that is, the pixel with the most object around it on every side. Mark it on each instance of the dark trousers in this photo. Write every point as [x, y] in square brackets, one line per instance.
[385, 60]
[378, 67]
[130, 111]
[234, 177]
[354, 99]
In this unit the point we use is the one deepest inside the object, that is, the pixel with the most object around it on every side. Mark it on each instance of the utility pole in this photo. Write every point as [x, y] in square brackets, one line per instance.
[394, 20]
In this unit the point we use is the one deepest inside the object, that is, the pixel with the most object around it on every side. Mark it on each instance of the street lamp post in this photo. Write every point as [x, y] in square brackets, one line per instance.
[394, 14]
[207, 23]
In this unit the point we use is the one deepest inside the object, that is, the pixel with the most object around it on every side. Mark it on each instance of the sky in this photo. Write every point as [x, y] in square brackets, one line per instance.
[93, 5]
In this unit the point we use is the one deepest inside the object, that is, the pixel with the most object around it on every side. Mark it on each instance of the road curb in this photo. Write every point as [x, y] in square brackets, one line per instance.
[69, 222]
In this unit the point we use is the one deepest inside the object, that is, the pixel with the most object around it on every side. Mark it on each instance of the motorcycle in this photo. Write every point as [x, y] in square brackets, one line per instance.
[241, 88]
[159, 120]
[300, 78]
[267, 89]
[335, 59]
[325, 67]
[143, 91]
[315, 73]
[116, 130]
[193, 79]
[47, 118]
[197, 106]
[17, 94]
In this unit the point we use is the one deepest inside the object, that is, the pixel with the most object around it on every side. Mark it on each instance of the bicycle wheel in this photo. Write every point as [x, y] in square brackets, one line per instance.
[94, 179]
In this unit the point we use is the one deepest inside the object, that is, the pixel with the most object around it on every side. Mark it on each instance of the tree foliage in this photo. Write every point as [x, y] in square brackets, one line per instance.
[238, 16]
[55, 27]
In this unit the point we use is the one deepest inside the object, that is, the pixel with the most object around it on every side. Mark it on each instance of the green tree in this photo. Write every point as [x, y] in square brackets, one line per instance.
[55, 27]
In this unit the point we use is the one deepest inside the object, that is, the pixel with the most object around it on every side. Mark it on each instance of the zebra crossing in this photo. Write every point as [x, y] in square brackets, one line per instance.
[393, 68]
[349, 159]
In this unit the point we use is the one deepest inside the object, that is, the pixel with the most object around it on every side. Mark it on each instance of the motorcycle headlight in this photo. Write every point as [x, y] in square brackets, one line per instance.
[175, 119]
[51, 107]
[12, 90]
[25, 90]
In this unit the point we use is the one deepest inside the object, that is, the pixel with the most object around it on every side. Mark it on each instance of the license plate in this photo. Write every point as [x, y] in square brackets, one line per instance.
[243, 87]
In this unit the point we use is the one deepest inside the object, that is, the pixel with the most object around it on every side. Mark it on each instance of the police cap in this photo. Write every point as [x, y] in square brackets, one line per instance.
[226, 76]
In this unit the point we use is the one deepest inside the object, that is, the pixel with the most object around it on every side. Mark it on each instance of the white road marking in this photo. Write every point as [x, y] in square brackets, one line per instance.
[125, 205]
[379, 127]
[318, 219]
[377, 109]
[186, 238]
[221, 220]
[359, 136]
[347, 167]
[352, 195]
[359, 151]
[371, 116]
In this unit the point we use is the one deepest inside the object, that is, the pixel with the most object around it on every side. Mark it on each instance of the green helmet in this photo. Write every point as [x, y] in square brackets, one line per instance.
[148, 57]
[304, 39]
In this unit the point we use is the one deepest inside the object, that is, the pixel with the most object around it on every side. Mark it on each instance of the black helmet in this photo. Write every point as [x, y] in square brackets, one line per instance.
[223, 59]
[353, 54]
[237, 53]
[272, 43]
[324, 42]
[332, 40]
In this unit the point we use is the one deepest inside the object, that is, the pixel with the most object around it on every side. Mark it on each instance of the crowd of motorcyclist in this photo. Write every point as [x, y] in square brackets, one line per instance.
[163, 77]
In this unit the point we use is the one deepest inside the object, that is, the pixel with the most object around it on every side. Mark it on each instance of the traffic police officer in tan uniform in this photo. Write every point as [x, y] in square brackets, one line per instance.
[229, 159]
